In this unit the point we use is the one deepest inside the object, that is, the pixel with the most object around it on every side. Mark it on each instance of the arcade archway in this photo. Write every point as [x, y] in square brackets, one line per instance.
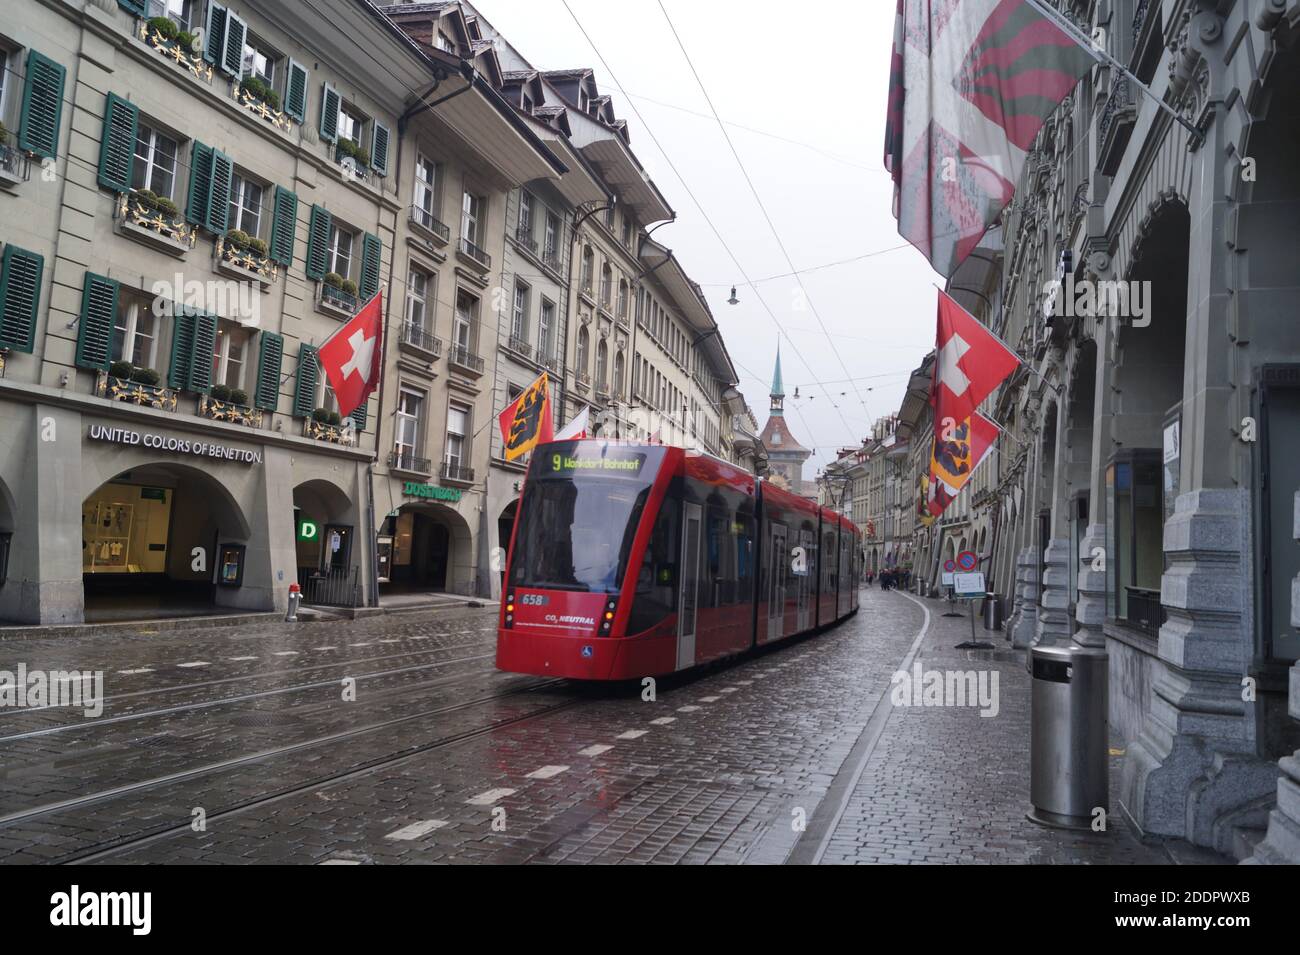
[431, 550]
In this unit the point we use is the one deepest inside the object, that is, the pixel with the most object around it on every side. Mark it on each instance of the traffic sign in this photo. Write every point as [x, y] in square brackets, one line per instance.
[950, 565]
[967, 561]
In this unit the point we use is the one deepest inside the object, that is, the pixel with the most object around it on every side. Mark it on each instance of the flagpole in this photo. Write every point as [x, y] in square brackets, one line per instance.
[1085, 42]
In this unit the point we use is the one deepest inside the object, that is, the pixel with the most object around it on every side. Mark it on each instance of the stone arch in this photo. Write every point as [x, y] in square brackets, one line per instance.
[322, 509]
[433, 550]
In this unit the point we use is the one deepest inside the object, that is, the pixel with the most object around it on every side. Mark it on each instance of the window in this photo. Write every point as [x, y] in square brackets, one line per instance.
[471, 221]
[408, 433]
[245, 204]
[258, 62]
[602, 364]
[135, 330]
[426, 185]
[606, 283]
[457, 435]
[466, 310]
[179, 12]
[527, 104]
[519, 316]
[618, 374]
[551, 238]
[545, 321]
[230, 354]
[525, 215]
[340, 251]
[622, 298]
[155, 162]
[445, 43]
[627, 230]
[584, 350]
[4, 83]
[350, 123]
[328, 399]
[417, 296]
[588, 265]
[609, 216]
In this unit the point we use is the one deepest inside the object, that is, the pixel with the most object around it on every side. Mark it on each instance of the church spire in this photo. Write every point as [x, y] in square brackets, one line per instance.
[778, 389]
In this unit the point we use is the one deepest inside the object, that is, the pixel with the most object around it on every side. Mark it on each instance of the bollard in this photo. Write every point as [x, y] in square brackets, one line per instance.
[295, 598]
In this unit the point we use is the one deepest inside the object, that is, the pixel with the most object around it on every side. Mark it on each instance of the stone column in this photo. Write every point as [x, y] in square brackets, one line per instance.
[51, 590]
[1282, 843]
[1053, 617]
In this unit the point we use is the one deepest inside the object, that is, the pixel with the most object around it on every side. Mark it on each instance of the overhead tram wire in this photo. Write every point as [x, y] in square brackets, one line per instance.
[699, 206]
[757, 198]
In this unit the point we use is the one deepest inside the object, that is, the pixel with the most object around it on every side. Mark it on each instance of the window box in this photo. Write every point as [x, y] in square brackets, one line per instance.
[410, 464]
[14, 166]
[473, 255]
[457, 474]
[218, 410]
[428, 223]
[418, 339]
[244, 261]
[174, 49]
[354, 160]
[253, 95]
[134, 392]
[144, 219]
[336, 301]
[330, 433]
[464, 360]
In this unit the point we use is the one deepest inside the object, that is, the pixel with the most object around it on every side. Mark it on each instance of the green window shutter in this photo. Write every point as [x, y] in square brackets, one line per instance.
[95, 329]
[178, 375]
[38, 128]
[134, 6]
[218, 205]
[196, 208]
[295, 92]
[117, 143]
[359, 416]
[270, 358]
[318, 243]
[20, 294]
[284, 226]
[214, 34]
[205, 341]
[329, 114]
[371, 249]
[304, 390]
[379, 148]
[232, 57]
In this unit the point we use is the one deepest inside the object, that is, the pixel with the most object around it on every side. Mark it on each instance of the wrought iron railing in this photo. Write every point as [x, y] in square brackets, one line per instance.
[428, 221]
[1145, 612]
[417, 336]
[452, 471]
[336, 587]
[519, 346]
[408, 461]
[474, 252]
[462, 356]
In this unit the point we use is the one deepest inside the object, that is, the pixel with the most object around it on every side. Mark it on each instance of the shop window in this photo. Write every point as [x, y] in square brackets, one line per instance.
[124, 530]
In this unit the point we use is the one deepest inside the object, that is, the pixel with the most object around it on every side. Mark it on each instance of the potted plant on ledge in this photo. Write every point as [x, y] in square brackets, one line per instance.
[247, 255]
[326, 425]
[136, 384]
[224, 403]
[353, 158]
[175, 44]
[339, 293]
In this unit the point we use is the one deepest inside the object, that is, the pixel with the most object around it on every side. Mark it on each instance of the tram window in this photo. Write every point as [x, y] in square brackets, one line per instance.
[656, 584]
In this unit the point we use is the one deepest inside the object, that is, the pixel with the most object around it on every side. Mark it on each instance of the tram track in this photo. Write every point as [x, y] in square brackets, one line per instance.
[366, 766]
[221, 701]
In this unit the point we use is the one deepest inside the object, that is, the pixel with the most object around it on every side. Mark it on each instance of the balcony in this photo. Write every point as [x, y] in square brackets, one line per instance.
[146, 392]
[245, 257]
[14, 167]
[427, 222]
[520, 347]
[555, 366]
[583, 380]
[252, 94]
[161, 34]
[408, 462]
[453, 472]
[328, 431]
[472, 254]
[464, 360]
[524, 236]
[353, 160]
[236, 412]
[1116, 126]
[418, 338]
[154, 221]
[336, 299]
[551, 259]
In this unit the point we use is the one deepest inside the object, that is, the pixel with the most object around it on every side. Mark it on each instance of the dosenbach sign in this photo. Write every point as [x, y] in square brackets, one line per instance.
[161, 442]
[431, 491]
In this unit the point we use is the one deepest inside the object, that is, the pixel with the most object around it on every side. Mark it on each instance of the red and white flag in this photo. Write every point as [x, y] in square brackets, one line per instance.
[970, 84]
[576, 429]
[353, 355]
[971, 362]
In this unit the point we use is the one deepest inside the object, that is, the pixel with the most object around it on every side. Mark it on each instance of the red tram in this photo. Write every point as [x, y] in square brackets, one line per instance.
[633, 560]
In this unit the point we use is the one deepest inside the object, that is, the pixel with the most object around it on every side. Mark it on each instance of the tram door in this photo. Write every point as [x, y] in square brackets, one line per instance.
[806, 587]
[776, 583]
[686, 620]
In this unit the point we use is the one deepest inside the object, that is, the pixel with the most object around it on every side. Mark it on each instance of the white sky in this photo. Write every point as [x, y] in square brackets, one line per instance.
[816, 72]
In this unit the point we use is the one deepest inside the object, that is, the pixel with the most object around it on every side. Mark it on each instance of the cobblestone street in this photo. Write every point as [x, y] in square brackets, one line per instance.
[236, 744]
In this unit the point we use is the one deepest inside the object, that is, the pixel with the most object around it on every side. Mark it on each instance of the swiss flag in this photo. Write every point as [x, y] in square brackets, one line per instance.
[971, 363]
[352, 356]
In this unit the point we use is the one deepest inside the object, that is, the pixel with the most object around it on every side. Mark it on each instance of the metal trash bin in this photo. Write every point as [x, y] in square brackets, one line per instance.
[993, 612]
[1069, 772]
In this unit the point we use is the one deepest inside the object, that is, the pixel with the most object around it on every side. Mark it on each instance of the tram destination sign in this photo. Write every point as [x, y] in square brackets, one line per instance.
[155, 441]
[612, 464]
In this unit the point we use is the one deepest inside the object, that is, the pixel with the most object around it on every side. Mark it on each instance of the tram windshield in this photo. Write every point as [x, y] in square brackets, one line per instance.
[580, 510]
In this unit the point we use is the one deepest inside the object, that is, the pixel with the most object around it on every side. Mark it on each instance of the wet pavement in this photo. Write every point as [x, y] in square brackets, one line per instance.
[394, 739]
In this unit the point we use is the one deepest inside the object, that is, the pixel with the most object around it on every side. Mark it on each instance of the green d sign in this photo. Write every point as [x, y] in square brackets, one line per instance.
[308, 530]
